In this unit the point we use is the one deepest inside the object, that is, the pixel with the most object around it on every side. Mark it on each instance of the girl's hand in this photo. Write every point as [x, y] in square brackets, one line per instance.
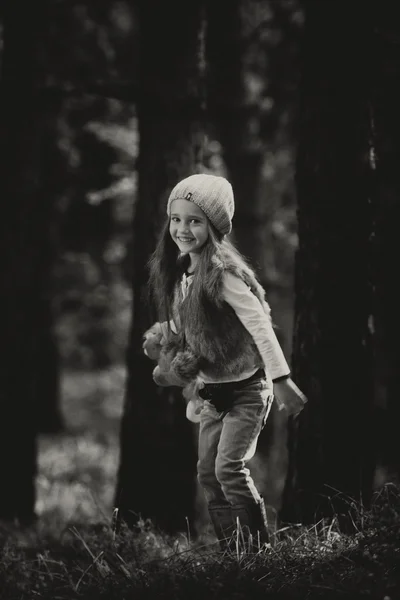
[193, 410]
[166, 379]
[152, 347]
[289, 397]
[152, 341]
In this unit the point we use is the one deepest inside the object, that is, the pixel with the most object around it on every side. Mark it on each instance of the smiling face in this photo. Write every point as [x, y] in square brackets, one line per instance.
[188, 227]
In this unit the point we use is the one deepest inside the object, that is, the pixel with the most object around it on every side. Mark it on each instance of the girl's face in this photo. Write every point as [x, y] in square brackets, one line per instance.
[188, 226]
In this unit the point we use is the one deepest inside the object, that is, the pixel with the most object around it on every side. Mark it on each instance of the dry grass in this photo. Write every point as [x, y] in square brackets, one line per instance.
[73, 551]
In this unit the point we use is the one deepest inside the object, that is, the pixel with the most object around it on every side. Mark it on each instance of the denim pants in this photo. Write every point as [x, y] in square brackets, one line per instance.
[227, 441]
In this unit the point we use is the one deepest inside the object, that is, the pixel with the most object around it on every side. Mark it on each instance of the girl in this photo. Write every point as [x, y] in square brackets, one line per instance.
[212, 302]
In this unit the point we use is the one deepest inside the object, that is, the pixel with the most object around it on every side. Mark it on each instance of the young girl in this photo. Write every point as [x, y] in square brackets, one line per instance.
[210, 298]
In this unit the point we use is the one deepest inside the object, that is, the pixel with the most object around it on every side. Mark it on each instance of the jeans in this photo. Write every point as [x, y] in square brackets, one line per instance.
[227, 441]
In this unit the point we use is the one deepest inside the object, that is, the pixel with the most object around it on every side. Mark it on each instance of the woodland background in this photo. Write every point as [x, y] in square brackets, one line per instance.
[104, 106]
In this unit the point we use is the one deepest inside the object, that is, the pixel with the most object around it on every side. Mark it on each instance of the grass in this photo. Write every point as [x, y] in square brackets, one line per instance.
[74, 552]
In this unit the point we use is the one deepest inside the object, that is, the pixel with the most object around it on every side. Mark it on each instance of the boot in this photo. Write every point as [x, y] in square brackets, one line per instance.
[252, 525]
[224, 525]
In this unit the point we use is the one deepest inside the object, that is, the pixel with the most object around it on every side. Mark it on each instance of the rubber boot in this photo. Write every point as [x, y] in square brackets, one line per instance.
[251, 524]
[224, 525]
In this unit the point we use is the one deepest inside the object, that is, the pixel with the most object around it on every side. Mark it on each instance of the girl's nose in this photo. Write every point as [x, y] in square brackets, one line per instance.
[184, 228]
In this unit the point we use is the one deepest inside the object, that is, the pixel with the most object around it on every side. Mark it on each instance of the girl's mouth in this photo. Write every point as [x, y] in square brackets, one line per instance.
[185, 240]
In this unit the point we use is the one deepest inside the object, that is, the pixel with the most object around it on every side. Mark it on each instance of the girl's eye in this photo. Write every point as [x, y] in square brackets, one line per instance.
[176, 220]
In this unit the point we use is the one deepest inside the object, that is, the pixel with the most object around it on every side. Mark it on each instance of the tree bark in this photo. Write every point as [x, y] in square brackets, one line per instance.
[46, 368]
[23, 231]
[156, 477]
[385, 132]
[332, 444]
[46, 363]
[87, 227]
[236, 120]
[236, 60]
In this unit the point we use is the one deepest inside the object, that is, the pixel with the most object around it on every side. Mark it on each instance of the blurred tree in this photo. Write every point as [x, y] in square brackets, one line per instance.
[46, 358]
[235, 110]
[385, 124]
[86, 227]
[156, 475]
[77, 164]
[332, 460]
[251, 74]
[90, 47]
[90, 283]
[23, 246]
[251, 84]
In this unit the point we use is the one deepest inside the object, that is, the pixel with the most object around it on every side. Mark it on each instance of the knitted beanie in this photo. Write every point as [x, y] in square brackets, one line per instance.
[212, 193]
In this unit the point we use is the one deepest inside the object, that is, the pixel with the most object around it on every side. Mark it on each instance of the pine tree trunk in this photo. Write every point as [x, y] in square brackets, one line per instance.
[156, 476]
[236, 117]
[46, 368]
[248, 135]
[385, 122]
[47, 361]
[23, 231]
[88, 227]
[332, 445]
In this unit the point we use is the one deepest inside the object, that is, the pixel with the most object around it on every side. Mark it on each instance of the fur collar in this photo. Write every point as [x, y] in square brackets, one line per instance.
[213, 332]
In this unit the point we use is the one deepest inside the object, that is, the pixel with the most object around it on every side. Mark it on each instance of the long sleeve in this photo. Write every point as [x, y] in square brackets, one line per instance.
[256, 319]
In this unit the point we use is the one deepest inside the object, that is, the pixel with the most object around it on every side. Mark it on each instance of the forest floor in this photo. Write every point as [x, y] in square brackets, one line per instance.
[73, 552]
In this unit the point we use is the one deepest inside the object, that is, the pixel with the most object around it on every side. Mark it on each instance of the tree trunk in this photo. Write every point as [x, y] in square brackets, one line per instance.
[46, 368]
[332, 446]
[156, 477]
[88, 226]
[236, 119]
[385, 121]
[250, 137]
[23, 233]
[46, 360]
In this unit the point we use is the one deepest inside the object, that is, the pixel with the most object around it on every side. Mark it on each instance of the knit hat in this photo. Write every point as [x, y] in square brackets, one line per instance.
[212, 193]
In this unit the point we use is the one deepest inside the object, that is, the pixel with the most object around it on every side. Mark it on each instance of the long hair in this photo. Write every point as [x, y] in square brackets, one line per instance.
[216, 252]
[164, 271]
[167, 264]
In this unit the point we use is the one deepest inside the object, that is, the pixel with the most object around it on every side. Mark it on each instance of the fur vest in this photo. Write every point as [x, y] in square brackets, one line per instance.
[214, 340]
